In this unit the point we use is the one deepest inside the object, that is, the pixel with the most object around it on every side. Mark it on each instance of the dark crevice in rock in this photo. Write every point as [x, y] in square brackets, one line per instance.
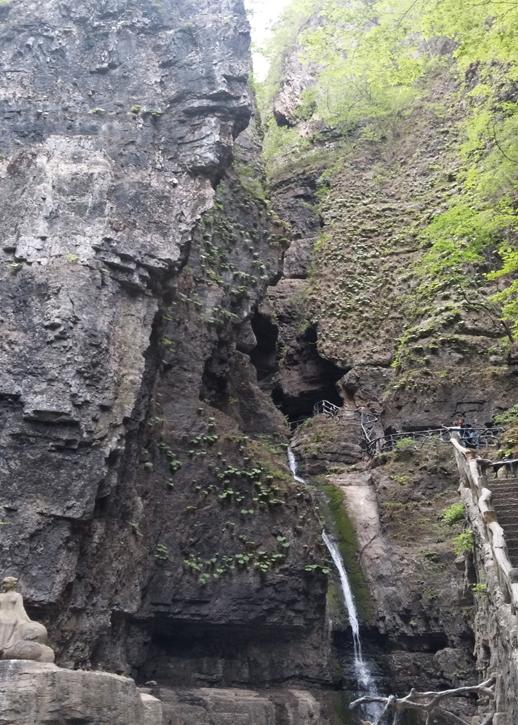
[294, 374]
[318, 379]
[264, 356]
[215, 380]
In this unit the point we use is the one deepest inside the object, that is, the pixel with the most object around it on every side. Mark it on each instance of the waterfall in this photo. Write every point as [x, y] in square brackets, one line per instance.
[361, 669]
[292, 461]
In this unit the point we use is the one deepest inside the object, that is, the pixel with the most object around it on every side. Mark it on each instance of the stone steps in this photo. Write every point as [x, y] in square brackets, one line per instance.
[505, 485]
[503, 481]
[505, 502]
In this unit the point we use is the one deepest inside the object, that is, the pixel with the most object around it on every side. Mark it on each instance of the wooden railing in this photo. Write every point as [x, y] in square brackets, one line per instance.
[474, 484]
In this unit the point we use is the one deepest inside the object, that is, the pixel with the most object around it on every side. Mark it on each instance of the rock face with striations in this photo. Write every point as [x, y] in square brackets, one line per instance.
[41, 694]
[114, 118]
[146, 500]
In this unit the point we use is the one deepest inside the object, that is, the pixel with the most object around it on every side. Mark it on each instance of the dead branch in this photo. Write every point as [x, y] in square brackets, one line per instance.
[428, 703]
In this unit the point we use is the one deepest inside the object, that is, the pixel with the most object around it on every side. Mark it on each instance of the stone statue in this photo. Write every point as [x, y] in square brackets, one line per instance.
[12, 612]
[20, 637]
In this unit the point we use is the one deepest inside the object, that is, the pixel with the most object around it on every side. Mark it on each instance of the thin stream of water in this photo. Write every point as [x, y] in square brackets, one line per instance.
[292, 461]
[361, 669]
[363, 675]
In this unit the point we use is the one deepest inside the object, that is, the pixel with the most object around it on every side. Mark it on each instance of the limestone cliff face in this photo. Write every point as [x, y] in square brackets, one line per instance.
[146, 502]
[351, 328]
[114, 118]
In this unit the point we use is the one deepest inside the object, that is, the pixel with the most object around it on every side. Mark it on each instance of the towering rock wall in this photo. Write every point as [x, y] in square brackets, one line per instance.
[114, 118]
[147, 505]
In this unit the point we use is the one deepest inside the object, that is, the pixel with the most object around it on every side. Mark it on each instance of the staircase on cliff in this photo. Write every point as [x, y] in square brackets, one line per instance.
[505, 502]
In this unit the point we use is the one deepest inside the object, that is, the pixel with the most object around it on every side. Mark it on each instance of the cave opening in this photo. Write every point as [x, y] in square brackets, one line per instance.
[292, 371]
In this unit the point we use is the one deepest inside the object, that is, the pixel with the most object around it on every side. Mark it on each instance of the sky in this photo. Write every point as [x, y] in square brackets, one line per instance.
[262, 13]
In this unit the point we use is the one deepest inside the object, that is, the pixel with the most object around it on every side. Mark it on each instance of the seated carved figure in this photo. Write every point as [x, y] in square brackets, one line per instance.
[20, 637]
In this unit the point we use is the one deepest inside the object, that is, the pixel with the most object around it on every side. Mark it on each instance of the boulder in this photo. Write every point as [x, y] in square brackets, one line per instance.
[37, 693]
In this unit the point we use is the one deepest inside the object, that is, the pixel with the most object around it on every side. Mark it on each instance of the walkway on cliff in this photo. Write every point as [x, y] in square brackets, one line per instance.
[474, 437]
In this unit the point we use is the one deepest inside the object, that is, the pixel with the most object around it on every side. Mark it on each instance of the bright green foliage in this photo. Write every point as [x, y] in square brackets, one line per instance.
[404, 444]
[373, 59]
[508, 416]
[482, 219]
[463, 543]
[453, 514]
[372, 53]
[369, 68]
[484, 31]
[508, 296]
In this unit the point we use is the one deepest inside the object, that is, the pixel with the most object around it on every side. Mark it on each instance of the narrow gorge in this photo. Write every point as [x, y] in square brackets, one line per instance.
[258, 363]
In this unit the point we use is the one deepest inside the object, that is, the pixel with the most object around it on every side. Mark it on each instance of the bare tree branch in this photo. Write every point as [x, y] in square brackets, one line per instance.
[429, 703]
[487, 307]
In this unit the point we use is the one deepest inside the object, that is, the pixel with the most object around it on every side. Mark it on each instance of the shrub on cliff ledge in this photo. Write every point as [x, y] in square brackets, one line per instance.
[453, 514]
[463, 543]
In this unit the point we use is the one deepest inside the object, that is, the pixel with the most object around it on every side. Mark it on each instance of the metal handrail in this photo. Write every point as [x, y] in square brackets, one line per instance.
[474, 437]
[325, 407]
[366, 420]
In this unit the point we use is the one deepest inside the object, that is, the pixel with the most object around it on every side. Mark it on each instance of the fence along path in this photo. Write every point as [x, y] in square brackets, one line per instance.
[495, 499]
[475, 437]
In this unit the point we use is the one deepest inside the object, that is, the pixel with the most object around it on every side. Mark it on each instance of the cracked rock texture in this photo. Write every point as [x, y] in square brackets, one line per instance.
[34, 693]
[146, 502]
